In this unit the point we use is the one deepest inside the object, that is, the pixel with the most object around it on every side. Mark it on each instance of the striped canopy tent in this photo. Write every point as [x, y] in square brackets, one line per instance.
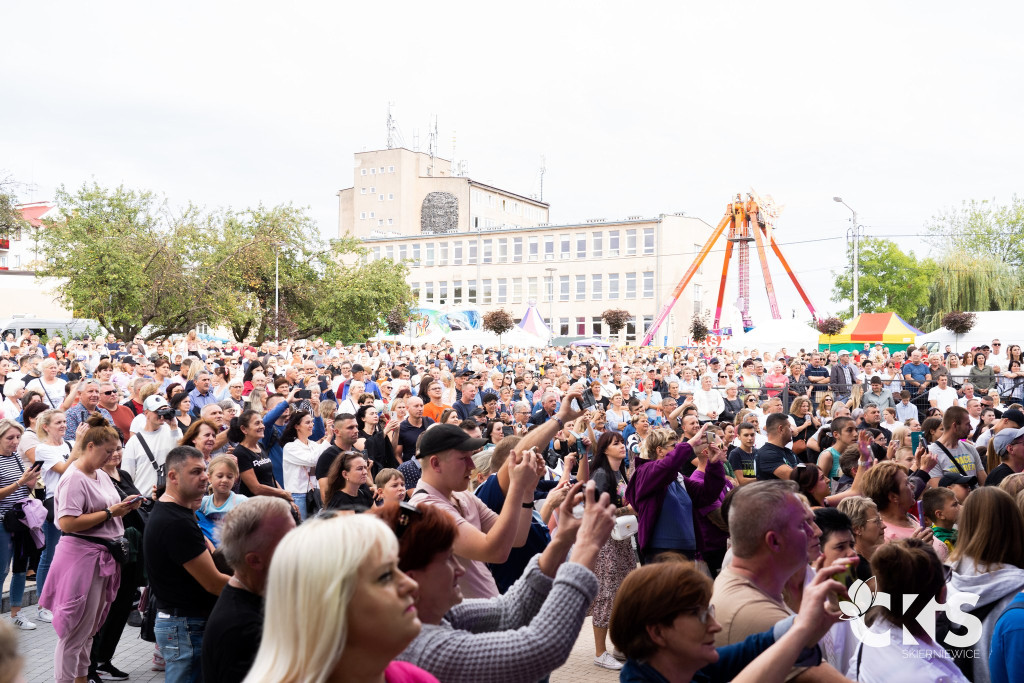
[533, 322]
[870, 328]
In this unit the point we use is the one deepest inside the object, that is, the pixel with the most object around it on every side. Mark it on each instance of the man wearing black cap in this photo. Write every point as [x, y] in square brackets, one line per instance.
[358, 373]
[1010, 419]
[446, 458]
[960, 485]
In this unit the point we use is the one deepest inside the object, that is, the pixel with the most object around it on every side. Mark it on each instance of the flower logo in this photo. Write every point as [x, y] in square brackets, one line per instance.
[862, 597]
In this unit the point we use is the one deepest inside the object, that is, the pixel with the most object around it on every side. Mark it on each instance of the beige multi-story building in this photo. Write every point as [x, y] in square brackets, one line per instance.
[481, 254]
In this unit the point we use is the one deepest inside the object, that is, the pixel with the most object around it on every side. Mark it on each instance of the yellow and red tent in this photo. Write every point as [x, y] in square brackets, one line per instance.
[887, 328]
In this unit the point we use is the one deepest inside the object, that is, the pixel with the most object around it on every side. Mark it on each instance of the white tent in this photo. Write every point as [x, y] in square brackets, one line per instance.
[1006, 326]
[533, 323]
[772, 335]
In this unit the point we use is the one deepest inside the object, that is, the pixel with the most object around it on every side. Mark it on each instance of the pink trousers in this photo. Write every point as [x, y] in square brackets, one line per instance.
[71, 659]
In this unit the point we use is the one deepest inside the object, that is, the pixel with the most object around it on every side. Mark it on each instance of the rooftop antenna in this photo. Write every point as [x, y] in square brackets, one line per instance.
[433, 147]
[455, 165]
[391, 127]
[543, 169]
[415, 139]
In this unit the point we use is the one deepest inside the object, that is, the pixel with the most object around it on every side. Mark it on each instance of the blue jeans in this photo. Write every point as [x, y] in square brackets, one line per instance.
[52, 534]
[18, 580]
[300, 502]
[180, 640]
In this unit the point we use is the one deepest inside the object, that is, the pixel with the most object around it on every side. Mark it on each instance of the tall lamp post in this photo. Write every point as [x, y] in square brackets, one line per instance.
[551, 301]
[854, 233]
[277, 290]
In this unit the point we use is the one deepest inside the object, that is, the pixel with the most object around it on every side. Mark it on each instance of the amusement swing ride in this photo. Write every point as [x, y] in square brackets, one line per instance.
[748, 221]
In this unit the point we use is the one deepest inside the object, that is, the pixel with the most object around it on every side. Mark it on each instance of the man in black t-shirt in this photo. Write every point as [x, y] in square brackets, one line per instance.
[182, 576]
[410, 429]
[346, 433]
[249, 535]
[774, 460]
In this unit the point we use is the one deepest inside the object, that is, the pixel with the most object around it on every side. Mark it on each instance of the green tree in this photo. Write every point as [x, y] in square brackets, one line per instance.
[982, 227]
[972, 282]
[890, 280]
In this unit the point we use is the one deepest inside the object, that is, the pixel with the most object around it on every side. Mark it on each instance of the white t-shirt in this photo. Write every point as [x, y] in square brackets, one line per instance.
[964, 453]
[135, 461]
[944, 398]
[50, 456]
[54, 391]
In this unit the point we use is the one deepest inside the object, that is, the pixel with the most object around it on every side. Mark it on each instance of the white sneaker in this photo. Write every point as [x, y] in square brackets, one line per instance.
[44, 615]
[614, 651]
[606, 661]
[23, 623]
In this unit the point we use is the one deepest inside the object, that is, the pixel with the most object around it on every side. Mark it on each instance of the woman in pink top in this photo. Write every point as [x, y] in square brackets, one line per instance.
[84, 577]
[888, 486]
[776, 381]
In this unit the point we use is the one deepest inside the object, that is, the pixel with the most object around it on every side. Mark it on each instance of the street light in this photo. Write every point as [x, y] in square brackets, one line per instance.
[551, 301]
[856, 255]
[277, 290]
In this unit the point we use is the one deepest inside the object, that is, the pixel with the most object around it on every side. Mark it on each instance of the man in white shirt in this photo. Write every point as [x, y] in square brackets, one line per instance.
[160, 434]
[942, 396]
[709, 401]
[995, 358]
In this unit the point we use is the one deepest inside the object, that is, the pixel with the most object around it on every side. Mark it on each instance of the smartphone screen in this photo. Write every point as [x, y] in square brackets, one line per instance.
[305, 393]
[920, 514]
[915, 440]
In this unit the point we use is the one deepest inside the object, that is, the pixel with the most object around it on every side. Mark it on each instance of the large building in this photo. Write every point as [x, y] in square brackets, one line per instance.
[20, 292]
[479, 245]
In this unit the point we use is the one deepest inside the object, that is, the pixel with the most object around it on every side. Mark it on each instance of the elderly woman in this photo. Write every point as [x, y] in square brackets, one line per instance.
[732, 402]
[521, 636]
[14, 391]
[665, 625]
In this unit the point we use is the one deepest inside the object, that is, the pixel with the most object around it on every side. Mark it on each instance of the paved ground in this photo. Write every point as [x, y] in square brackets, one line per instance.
[135, 656]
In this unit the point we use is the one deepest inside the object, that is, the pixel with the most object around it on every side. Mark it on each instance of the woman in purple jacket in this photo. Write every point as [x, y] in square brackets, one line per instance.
[666, 508]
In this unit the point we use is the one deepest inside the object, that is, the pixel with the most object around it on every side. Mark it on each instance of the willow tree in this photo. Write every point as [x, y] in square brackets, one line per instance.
[972, 282]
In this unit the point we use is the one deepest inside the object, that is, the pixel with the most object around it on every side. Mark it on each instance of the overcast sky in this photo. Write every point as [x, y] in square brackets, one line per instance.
[901, 108]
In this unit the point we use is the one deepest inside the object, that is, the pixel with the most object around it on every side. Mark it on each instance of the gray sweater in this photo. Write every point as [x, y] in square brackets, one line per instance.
[519, 637]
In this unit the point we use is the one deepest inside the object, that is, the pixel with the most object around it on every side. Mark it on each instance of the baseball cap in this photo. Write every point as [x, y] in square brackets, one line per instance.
[1004, 438]
[356, 367]
[1015, 416]
[445, 437]
[950, 478]
[154, 402]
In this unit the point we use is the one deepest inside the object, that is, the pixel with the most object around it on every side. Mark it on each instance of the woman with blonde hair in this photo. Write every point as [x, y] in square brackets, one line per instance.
[868, 530]
[824, 411]
[337, 606]
[988, 561]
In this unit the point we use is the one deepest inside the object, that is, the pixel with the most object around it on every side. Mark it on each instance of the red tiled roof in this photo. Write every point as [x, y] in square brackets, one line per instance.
[32, 212]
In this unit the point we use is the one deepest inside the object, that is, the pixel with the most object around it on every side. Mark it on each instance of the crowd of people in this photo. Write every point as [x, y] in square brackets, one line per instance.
[301, 511]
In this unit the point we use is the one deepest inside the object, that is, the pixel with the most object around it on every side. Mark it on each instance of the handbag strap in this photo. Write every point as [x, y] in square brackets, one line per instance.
[149, 453]
[950, 456]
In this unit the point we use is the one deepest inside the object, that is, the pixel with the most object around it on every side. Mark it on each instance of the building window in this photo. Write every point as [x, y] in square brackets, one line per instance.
[373, 171]
[391, 221]
[563, 287]
[373, 190]
[598, 241]
[442, 293]
[375, 254]
[429, 287]
[362, 190]
[362, 215]
[457, 253]
[517, 250]
[648, 285]
[372, 215]
[631, 331]
[488, 244]
[648, 240]
[473, 244]
[630, 285]
[415, 287]
[517, 290]
[534, 244]
[696, 250]
[391, 195]
[549, 288]
[381, 169]
[596, 287]
[630, 243]
[549, 248]
[380, 221]
[362, 172]
[531, 289]
[391, 169]
[429, 247]
[502, 290]
[487, 290]
[581, 287]
[563, 327]
[595, 326]
[502, 250]
[471, 291]
[416, 255]
[565, 251]
[442, 254]
[698, 298]
[581, 245]
[613, 242]
[403, 252]
[457, 292]
[390, 252]
[648, 321]
[581, 326]
[613, 286]
[380, 198]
